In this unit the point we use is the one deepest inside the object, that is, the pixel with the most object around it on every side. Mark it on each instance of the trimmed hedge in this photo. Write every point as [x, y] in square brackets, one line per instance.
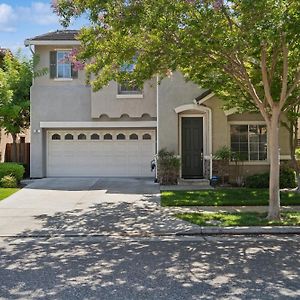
[287, 179]
[12, 169]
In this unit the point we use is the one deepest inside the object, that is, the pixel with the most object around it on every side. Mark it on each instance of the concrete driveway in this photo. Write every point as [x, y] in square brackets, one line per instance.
[87, 206]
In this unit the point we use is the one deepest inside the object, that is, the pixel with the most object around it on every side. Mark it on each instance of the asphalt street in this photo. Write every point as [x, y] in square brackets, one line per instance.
[265, 267]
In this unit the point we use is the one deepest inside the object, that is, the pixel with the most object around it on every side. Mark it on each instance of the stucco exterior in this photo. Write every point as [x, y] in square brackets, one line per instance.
[162, 105]
[172, 92]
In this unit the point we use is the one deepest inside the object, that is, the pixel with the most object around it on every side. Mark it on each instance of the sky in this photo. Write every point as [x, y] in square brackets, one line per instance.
[22, 19]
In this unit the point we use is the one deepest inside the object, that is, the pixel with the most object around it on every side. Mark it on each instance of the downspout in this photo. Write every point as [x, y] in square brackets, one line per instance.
[209, 110]
[157, 128]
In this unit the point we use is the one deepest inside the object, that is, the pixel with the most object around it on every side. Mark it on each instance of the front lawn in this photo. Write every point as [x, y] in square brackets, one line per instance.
[239, 219]
[225, 197]
[6, 192]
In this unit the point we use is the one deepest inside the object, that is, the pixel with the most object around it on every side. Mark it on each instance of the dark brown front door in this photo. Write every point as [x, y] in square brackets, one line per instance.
[192, 147]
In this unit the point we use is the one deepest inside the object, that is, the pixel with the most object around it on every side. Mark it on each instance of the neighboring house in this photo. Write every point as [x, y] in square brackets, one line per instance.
[117, 131]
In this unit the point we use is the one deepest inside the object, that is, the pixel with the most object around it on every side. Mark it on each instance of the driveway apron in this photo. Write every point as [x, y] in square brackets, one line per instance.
[88, 206]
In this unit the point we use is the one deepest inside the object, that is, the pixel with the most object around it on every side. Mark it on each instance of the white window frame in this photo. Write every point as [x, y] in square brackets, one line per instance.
[249, 123]
[58, 63]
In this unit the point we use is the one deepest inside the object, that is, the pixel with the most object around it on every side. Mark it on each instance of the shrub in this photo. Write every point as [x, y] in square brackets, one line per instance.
[12, 169]
[223, 156]
[224, 153]
[9, 181]
[258, 181]
[297, 152]
[287, 179]
[168, 165]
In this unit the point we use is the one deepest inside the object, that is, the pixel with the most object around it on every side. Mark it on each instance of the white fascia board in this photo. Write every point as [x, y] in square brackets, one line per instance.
[52, 42]
[205, 98]
[129, 124]
[230, 111]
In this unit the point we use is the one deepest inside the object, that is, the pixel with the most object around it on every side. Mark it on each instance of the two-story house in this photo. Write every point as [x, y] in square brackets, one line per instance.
[118, 130]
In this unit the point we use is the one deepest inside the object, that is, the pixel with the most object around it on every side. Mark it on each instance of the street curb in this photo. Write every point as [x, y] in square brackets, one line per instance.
[255, 230]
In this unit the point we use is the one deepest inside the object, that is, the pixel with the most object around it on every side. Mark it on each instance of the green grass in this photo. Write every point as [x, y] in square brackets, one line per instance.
[225, 197]
[239, 219]
[6, 192]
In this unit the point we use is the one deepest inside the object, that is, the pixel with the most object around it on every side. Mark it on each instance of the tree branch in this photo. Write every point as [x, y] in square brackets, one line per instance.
[284, 87]
[295, 84]
[264, 74]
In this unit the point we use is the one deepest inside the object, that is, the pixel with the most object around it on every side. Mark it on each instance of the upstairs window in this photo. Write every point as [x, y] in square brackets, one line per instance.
[126, 88]
[60, 65]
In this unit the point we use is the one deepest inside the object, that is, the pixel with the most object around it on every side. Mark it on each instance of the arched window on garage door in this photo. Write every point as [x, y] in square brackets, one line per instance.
[81, 136]
[133, 136]
[95, 136]
[107, 136]
[69, 136]
[146, 136]
[55, 137]
[121, 136]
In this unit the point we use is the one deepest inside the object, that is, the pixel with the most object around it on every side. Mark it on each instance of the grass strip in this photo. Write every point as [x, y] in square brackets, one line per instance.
[239, 219]
[225, 197]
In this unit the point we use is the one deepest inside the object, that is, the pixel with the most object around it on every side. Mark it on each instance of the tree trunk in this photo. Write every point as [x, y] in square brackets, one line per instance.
[14, 148]
[293, 131]
[274, 193]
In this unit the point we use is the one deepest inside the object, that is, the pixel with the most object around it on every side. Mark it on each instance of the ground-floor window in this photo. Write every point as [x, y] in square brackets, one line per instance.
[249, 141]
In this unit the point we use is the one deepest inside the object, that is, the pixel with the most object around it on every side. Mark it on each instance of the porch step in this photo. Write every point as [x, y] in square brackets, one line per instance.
[194, 182]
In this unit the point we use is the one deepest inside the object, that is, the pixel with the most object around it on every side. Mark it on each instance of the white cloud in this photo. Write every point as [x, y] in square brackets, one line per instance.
[7, 18]
[38, 13]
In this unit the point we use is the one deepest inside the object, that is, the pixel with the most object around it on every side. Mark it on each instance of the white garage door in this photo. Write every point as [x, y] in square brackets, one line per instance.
[100, 152]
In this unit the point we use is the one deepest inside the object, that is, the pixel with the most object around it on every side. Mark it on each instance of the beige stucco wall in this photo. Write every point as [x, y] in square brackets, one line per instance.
[43, 52]
[106, 102]
[173, 92]
[73, 100]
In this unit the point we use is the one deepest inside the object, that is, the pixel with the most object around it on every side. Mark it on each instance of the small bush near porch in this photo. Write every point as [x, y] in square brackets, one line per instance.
[225, 197]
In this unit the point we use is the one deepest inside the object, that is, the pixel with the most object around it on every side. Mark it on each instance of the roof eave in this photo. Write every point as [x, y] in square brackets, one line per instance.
[29, 42]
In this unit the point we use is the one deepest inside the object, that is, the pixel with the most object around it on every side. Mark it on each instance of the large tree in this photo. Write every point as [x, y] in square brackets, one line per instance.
[15, 82]
[246, 51]
[291, 123]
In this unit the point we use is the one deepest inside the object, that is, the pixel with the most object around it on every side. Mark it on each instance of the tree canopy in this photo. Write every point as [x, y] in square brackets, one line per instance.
[216, 44]
[246, 51]
[15, 81]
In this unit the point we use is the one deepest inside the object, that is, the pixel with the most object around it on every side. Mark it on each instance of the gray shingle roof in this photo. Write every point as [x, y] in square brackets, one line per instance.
[203, 95]
[58, 35]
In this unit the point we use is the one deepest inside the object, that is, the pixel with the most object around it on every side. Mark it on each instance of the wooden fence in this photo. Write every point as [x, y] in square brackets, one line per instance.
[23, 154]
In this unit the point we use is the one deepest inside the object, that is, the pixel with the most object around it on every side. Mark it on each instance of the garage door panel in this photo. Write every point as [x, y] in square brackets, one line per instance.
[100, 157]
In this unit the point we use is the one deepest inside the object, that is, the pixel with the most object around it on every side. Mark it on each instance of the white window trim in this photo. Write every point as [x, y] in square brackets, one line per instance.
[57, 64]
[63, 79]
[248, 162]
[130, 96]
[121, 124]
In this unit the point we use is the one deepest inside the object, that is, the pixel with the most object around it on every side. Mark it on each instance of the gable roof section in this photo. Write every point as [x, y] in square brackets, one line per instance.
[204, 96]
[58, 37]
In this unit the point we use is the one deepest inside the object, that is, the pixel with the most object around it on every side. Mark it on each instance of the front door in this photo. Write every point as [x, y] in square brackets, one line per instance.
[192, 147]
